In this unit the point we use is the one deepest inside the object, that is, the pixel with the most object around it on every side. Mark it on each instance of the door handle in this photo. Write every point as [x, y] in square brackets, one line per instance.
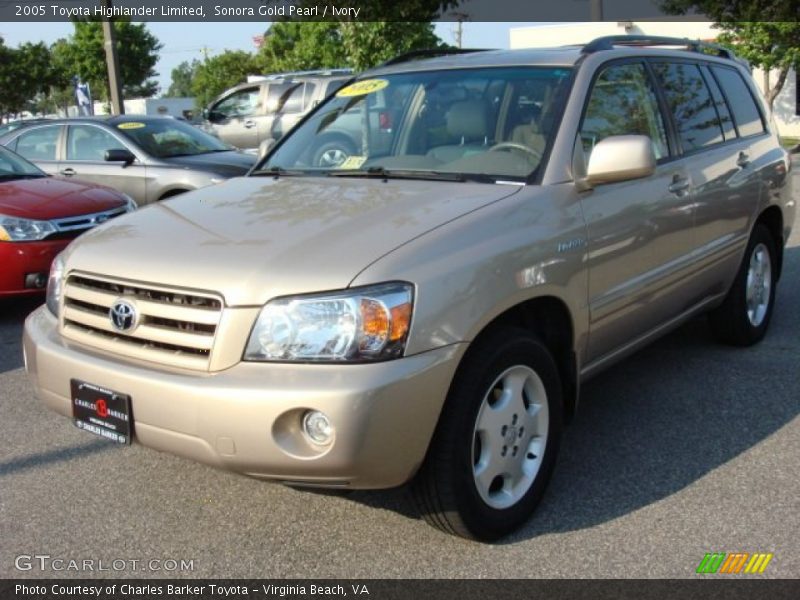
[679, 185]
[249, 124]
[743, 160]
[67, 172]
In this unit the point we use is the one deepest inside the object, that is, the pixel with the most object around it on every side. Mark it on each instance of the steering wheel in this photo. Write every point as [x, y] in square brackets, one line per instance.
[515, 146]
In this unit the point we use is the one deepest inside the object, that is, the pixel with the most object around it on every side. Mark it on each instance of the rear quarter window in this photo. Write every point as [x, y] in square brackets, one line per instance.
[743, 106]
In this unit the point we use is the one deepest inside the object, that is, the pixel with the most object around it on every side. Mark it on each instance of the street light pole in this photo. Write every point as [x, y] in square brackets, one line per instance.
[110, 44]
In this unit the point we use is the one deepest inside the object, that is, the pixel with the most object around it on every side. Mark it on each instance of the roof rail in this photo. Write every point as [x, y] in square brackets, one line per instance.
[272, 76]
[608, 42]
[430, 53]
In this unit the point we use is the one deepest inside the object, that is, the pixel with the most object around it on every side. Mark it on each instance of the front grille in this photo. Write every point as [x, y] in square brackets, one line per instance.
[69, 228]
[175, 327]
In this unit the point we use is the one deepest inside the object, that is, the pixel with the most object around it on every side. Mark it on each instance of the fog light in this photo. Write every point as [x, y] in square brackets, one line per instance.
[36, 281]
[317, 426]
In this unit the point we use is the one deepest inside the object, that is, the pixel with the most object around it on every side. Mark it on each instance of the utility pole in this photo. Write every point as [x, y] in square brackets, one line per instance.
[110, 44]
[460, 18]
[596, 9]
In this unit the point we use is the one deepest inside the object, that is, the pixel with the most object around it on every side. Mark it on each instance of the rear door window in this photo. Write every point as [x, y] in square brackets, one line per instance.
[308, 95]
[691, 104]
[39, 143]
[623, 102]
[276, 95]
[292, 99]
[743, 106]
[720, 105]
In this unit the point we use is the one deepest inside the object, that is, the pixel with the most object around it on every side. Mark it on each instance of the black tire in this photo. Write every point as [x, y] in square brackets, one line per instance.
[333, 153]
[732, 323]
[445, 489]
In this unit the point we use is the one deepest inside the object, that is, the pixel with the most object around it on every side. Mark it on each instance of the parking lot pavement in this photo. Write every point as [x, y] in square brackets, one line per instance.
[686, 448]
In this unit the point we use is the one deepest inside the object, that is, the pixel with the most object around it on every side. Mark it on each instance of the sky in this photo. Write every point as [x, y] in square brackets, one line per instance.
[182, 43]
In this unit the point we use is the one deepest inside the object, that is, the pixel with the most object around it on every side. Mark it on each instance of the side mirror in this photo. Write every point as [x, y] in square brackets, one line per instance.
[620, 158]
[213, 116]
[264, 147]
[120, 155]
[205, 114]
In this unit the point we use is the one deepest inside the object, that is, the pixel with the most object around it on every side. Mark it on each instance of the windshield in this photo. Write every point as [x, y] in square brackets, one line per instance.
[13, 166]
[475, 124]
[164, 138]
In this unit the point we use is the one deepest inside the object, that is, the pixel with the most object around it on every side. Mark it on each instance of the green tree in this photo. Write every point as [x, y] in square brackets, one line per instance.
[62, 93]
[765, 32]
[84, 55]
[368, 44]
[182, 77]
[25, 76]
[218, 73]
[732, 11]
[292, 45]
[6, 79]
[767, 46]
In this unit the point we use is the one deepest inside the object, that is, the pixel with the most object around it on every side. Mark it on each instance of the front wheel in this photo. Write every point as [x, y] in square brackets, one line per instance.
[496, 442]
[744, 316]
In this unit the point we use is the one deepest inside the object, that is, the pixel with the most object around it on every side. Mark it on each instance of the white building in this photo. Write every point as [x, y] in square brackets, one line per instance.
[787, 105]
[176, 107]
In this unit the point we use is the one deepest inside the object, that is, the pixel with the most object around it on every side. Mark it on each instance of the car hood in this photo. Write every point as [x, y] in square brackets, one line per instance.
[52, 198]
[255, 238]
[229, 164]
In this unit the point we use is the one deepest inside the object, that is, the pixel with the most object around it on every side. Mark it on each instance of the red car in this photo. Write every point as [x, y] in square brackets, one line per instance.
[39, 216]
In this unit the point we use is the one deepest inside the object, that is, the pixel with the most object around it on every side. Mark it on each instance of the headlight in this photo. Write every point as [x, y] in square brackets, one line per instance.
[130, 203]
[13, 229]
[357, 325]
[55, 284]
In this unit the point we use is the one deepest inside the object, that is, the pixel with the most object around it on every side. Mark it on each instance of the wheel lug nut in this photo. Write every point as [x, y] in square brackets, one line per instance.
[503, 430]
[504, 451]
[521, 431]
[514, 451]
[514, 420]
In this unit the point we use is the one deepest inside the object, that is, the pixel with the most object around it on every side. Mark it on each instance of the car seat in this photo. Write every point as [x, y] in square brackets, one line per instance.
[467, 122]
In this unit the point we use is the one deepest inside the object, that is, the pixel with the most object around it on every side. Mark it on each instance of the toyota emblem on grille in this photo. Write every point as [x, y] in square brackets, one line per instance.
[123, 315]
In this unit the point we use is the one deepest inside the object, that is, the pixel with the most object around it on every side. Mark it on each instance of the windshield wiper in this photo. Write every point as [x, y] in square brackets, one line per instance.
[280, 172]
[382, 173]
[6, 176]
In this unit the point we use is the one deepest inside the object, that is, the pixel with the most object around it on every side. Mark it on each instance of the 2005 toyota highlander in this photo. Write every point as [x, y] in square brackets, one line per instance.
[424, 311]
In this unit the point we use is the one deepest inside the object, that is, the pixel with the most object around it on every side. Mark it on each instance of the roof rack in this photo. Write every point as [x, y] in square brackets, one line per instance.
[430, 53]
[273, 76]
[608, 42]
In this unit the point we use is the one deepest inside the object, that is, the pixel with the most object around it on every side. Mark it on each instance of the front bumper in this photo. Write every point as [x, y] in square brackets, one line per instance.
[19, 259]
[248, 418]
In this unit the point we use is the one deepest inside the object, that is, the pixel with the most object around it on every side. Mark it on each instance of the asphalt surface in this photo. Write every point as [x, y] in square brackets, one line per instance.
[686, 448]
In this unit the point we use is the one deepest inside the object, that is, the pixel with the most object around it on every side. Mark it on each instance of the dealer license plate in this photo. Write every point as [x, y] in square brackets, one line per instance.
[101, 411]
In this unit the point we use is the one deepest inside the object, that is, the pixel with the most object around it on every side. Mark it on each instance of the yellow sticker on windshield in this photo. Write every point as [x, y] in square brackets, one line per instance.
[352, 162]
[131, 125]
[360, 88]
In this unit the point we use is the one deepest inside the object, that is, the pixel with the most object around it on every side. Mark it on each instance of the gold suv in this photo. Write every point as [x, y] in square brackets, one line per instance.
[506, 225]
